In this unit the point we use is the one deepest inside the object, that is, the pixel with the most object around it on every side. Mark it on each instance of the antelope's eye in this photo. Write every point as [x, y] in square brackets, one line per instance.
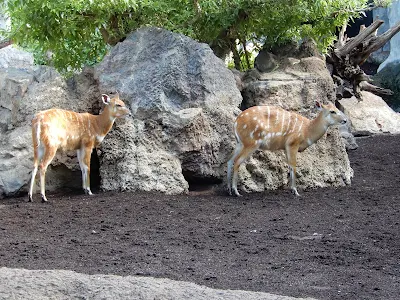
[118, 105]
[333, 112]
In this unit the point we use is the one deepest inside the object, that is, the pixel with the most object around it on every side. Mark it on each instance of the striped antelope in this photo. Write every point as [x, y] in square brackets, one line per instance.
[273, 128]
[55, 129]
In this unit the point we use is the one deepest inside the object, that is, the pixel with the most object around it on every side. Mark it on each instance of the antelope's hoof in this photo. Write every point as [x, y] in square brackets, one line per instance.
[237, 194]
[294, 191]
[44, 199]
[30, 198]
[88, 192]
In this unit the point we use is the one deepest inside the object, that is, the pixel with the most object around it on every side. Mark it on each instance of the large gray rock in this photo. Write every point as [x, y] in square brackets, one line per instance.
[389, 77]
[393, 15]
[371, 116]
[59, 284]
[184, 101]
[12, 57]
[296, 87]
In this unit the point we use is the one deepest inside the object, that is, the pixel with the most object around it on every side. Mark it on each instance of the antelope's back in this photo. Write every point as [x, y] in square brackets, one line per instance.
[268, 126]
[61, 128]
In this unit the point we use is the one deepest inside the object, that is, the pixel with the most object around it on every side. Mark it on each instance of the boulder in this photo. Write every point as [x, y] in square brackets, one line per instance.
[371, 115]
[183, 100]
[295, 87]
[12, 57]
[389, 78]
[64, 285]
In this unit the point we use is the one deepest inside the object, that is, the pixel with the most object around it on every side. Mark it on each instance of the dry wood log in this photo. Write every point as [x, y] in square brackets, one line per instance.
[349, 53]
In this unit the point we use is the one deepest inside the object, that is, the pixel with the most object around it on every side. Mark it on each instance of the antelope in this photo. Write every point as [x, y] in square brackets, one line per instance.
[273, 128]
[55, 129]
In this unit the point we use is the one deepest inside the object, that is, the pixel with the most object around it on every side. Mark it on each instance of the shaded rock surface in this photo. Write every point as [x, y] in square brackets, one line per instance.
[184, 101]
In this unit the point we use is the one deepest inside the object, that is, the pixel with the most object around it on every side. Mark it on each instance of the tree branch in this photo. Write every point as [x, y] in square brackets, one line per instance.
[366, 86]
[357, 40]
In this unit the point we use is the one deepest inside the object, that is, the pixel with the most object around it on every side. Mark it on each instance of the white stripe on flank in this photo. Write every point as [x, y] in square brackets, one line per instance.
[301, 125]
[283, 121]
[277, 117]
[294, 126]
[38, 133]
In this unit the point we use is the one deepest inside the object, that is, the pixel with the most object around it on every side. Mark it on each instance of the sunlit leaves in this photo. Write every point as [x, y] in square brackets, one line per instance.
[77, 32]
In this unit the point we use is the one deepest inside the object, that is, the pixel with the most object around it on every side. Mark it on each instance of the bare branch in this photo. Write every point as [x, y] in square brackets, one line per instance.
[353, 43]
[366, 86]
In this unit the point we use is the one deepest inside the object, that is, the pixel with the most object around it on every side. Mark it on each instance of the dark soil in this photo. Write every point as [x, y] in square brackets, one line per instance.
[329, 244]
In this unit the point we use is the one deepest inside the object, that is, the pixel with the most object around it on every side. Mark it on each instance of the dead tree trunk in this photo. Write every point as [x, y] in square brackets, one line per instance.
[349, 53]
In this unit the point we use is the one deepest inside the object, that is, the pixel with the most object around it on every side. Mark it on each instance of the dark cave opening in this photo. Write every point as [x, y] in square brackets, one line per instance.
[198, 183]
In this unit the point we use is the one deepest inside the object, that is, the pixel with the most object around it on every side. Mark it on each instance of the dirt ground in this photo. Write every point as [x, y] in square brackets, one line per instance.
[329, 244]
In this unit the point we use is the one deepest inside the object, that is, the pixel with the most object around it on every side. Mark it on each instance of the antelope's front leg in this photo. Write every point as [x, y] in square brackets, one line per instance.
[291, 155]
[84, 155]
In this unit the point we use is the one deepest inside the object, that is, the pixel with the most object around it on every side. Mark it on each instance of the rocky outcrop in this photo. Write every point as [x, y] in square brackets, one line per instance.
[389, 78]
[393, 16]
[184, 101]
[11, 57]
[60, 284]
[371, 116]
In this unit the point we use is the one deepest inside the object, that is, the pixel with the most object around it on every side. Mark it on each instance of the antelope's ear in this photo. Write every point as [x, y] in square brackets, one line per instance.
[318, 105]
[106, 99]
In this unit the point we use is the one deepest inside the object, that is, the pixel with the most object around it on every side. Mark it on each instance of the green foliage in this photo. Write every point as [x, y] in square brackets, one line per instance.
[79, 32]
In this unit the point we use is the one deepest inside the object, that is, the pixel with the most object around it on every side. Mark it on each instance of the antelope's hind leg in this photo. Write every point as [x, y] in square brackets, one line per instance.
[243, 154]
[291, 156]
[48, 156]
[34, 172]
[238, 149]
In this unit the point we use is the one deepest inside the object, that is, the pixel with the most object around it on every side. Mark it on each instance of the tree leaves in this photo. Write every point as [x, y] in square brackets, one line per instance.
[79, 32]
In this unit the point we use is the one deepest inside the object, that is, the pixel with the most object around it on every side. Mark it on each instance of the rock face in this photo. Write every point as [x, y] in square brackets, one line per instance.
[389, 78]
[295, 87]
[11, 57]
[394, 17]
[183, 101]
[372, 115]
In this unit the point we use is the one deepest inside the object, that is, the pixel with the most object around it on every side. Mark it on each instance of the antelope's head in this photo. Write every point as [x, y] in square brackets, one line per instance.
[116, 106]
[331, 113]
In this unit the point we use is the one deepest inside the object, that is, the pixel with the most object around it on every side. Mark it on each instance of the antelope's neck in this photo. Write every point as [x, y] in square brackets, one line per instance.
[105, 121]
[317, 128]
